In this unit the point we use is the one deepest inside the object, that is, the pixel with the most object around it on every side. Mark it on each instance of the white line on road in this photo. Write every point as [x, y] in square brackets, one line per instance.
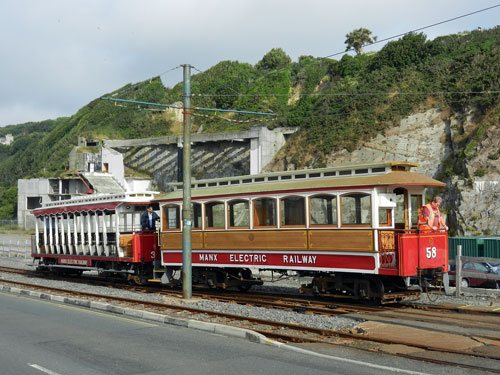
[43, 369]
[347, 360]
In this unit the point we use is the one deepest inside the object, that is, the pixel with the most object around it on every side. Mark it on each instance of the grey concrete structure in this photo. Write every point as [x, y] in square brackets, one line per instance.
[33, 192]
[214, 155]
[102, 164]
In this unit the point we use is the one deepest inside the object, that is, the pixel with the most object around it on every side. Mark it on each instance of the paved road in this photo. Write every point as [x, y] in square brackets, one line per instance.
[39, 337]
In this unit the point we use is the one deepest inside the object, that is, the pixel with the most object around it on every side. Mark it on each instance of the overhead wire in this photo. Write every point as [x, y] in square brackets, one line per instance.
[170, 70]
[372, 93]
[377, 42]
[238, 94]
[140, 83]
[419, 29]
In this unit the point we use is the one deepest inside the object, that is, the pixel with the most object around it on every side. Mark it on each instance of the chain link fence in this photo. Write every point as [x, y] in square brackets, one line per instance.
[8, 222]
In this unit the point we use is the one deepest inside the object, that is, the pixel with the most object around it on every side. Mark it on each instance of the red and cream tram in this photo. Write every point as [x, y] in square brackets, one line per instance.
[353, 229]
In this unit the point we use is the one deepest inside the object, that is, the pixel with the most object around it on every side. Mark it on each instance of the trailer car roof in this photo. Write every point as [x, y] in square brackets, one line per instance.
[393, 178]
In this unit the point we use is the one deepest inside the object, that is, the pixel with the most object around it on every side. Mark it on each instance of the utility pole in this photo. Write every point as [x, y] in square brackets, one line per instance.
[187, 212]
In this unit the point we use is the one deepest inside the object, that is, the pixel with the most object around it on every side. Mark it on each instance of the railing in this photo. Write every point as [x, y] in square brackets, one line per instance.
[15, 248]
[8, 222]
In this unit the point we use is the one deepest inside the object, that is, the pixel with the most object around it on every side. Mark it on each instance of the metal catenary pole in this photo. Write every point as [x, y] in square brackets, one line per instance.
[187, 213]
[458, 271]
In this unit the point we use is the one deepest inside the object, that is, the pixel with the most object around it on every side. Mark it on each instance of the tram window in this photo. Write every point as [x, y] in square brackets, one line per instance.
[171, 217]
[239, 214]
[264, 212]
[214, 215]
[399, 211]
[416, 205]
[292, 211]
[356, 209]
[323, 210]
[196, 207]
[385, 217]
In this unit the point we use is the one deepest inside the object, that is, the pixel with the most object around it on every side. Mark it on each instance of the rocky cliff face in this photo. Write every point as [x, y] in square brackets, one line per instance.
[443, 144]
[439, 141]
[477, 198]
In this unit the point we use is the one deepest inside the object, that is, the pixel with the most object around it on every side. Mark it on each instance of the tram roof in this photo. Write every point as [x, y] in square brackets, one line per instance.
[390, 173]
[93, 202]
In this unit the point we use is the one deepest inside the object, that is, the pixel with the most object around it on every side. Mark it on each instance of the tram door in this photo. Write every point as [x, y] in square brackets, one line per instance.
[401, 219]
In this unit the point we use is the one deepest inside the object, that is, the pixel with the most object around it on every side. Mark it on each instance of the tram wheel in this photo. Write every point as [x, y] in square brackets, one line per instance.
[371, 289]
[244, 274]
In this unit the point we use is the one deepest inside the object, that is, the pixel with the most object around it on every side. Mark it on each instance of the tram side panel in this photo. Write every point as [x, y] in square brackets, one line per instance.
[305, 250]
[145, 247]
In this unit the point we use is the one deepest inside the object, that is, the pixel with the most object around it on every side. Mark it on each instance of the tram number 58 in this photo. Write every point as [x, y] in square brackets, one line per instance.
[431, 252]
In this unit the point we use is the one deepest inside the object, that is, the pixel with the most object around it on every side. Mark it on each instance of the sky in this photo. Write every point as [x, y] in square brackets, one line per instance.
[58, 55]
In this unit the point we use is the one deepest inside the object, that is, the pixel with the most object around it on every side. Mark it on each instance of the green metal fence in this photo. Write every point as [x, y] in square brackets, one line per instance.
[474, 246]
[492, 247]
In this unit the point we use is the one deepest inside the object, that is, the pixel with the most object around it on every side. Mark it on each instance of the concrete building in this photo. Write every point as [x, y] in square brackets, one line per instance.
[140, 165]
[213, 155]
[35, 191]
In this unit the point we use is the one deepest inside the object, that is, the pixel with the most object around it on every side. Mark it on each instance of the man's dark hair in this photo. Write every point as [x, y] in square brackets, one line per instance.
[437, 199]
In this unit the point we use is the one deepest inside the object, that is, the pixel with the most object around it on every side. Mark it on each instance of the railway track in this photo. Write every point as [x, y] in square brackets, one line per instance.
[297, 334]
[300, 303]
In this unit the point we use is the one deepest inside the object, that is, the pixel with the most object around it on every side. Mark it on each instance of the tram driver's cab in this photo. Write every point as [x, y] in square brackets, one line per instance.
[407, 208]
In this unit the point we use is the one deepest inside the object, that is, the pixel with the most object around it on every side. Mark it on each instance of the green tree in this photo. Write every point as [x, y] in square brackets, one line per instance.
[358, 38]
[274, 59]
[410, 49]
[8, 202]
